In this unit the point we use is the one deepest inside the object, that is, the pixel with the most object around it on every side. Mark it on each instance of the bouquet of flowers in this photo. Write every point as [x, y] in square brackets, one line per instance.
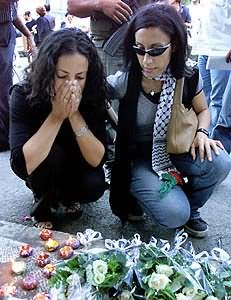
[217, 269]
[97, 276]
[162, 277]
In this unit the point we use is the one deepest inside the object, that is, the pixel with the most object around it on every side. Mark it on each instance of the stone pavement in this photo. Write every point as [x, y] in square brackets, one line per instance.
[15, 201]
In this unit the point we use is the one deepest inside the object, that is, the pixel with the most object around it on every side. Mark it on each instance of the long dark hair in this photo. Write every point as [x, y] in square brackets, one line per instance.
[40, 74]
[169, 21]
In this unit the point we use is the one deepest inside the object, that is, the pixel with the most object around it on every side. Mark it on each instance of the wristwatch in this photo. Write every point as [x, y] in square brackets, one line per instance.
[203, 130]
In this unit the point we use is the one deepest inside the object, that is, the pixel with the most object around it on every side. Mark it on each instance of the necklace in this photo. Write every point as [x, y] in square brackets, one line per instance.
[152, 93]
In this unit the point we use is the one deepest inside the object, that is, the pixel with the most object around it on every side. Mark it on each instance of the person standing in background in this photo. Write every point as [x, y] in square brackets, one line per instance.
[49, 17]
[213, 39]
[182, 10]
[30, 23]
[222, 130]
[43, 26]
[8, 19]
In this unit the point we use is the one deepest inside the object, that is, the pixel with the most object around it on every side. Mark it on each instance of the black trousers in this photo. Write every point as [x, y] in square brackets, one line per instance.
[61, 178]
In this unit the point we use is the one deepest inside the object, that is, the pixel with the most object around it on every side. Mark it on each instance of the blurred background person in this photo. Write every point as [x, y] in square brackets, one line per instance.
[43, 27]
[8, 19]
[49, 17]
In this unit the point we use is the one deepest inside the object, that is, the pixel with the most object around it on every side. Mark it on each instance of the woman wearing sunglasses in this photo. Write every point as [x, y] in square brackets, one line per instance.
[155, 51]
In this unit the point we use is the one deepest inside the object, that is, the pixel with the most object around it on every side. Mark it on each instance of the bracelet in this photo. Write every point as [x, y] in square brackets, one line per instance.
[81, 131]
[203, 130]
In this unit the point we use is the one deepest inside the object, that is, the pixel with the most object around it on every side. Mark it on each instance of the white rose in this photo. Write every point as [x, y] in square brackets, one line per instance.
[181, 296]
[164, 269]
[189, 291]
[99, 278]
[158, 281]
[211, 298]
[100, 266]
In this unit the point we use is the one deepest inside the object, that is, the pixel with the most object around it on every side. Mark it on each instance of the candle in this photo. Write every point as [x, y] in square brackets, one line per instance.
[42, 296]
[26, 250]
[49, 270]
[29, 282]
[7, 290]
[18, 267]
[51, 245]
[73, 242]
[66, 252]
[43, 259]
[45, 234]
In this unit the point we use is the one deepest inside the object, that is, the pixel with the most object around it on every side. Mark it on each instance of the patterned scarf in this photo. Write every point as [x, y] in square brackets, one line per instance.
[161, 162]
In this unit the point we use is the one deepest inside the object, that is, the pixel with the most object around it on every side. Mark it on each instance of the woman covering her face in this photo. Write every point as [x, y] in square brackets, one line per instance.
[57, 125]
[155, 49]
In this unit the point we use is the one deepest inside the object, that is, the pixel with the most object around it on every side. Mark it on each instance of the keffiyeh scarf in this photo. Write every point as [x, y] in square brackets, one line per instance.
[161, 162]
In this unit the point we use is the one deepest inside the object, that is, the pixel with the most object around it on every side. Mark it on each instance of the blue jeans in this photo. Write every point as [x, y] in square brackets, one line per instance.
[222, 131]
[219, 79]
[214, 84]
[205, 75]
[178, 206]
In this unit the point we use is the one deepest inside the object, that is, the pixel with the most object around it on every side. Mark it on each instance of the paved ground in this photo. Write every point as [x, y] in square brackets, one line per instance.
[15, 201]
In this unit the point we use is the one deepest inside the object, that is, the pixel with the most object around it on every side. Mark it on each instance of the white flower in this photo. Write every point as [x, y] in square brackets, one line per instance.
[181, 296]
[164, 269]
[100, 266]
[189, 291]
[158, 281]
[125, 295]
[99, 278]
[211, 298]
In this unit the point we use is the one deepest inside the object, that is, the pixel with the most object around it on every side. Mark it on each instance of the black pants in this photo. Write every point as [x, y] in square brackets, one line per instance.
[61, 178]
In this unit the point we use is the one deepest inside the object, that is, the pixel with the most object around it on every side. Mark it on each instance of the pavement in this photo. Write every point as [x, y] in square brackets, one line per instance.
[16, 200]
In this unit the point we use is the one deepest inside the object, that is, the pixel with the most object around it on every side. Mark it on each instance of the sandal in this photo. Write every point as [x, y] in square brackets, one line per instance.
[73, 208]
[43, 224]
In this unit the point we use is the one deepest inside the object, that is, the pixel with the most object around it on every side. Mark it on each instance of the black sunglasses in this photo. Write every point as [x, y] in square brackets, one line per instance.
[152, 52]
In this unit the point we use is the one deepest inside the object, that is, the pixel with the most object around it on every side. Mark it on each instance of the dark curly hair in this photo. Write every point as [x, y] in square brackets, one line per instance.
[166, 18]
[40, 74]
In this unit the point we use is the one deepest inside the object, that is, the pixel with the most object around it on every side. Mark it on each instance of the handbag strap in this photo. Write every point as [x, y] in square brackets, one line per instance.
[178, 94]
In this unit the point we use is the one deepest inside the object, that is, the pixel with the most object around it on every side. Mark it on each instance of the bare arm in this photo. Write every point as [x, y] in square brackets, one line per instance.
[24, 30]
[37, 148]
[117, 10]
[202, 141]
[91, 148]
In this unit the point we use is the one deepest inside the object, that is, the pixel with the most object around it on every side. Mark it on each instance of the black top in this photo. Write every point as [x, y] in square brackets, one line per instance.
[43, 29]
[30, 24]
[26, 120]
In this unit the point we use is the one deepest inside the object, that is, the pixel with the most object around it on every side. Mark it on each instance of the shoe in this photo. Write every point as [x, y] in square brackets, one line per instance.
[136, 213]
[197, 228]
[136, 218]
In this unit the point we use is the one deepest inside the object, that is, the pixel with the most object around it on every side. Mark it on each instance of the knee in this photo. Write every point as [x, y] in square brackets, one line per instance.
[221, 165]
[175, 216]
[94, 183]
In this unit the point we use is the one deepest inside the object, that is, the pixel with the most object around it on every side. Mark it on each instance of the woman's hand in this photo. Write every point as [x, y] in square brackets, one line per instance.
[205, 145]
[66, 100]
[76, 97]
